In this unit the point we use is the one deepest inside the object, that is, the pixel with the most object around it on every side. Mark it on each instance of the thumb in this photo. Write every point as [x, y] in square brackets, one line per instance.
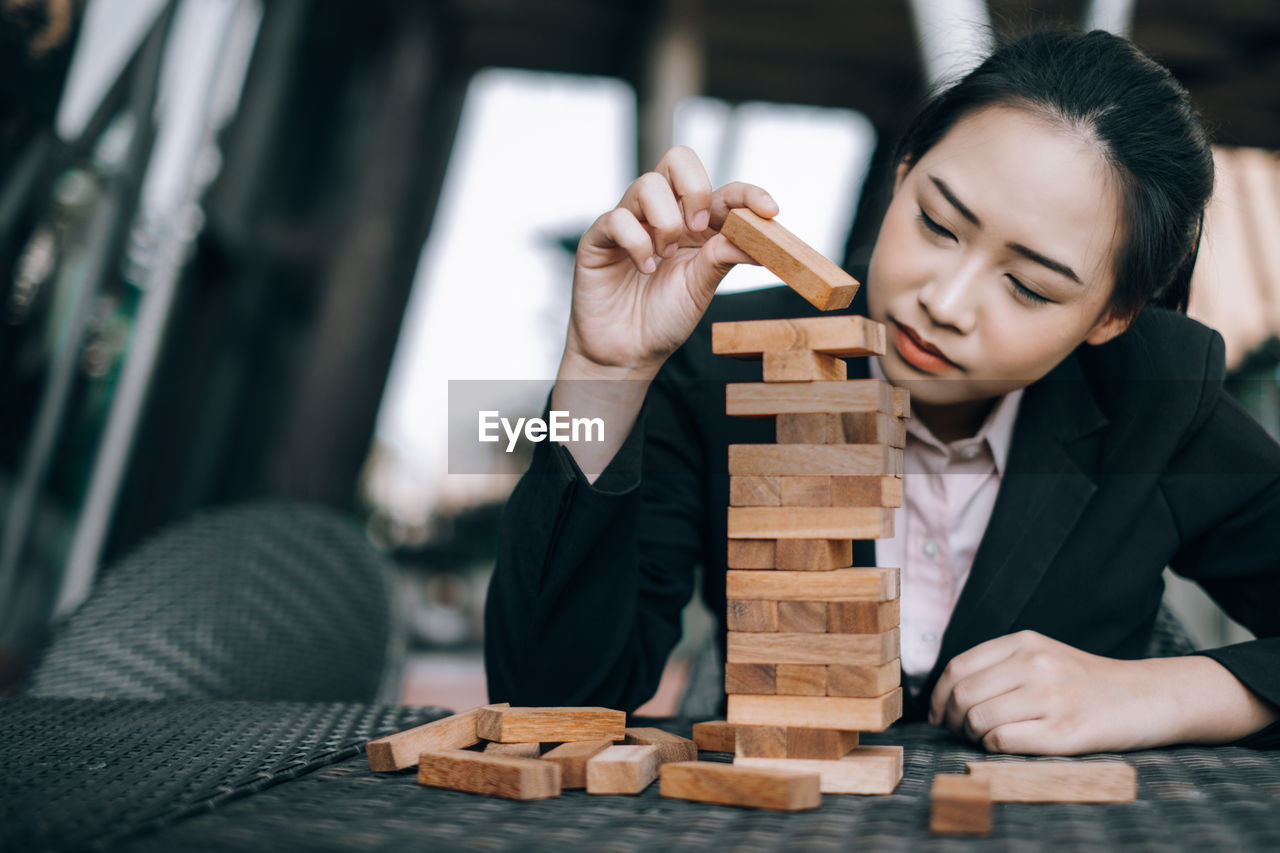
[712, 263]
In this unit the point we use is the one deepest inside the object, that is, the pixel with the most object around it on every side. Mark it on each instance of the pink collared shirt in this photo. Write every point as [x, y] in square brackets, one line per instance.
[949, 491]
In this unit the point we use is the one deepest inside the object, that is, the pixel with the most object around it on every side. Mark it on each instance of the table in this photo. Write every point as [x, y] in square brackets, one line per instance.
[193, 776]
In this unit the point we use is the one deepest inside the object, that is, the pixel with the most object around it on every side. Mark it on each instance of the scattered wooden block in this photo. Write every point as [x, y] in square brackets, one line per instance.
[959, 805]
[758, 678]
[670, 747]
[714, 736]
[803, 366]
[860, 617]
[864, 682]
[847, 336]
[732, 785]
[824, 284]
[812, 555]
[824, 522]
[552, 725]
[763, 399]
[817, 712]
[800, 679]
[815, 460]
[836, 585]
[901, 403]
[755, 491]
[519, 750]
[622, 770]
[873, 649]
[865, 770]
[572, 759]
[805, 617]
[751, 615]
[401, 750]
[495, 775]
[820, 744]
[1057, 780]
[754, 554]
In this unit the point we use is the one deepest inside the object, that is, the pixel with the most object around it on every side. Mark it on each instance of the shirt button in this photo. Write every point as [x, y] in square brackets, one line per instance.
[930, 548]
[970, 452]
[929, 637]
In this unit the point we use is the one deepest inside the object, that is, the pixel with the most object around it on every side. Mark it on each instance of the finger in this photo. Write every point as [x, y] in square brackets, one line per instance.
[1026, 737]
[710, 265]
[688, 177]
[619, 229]
[981, 686]
[738, 194]
[976, 659]
[651, 198]
[1016, 706]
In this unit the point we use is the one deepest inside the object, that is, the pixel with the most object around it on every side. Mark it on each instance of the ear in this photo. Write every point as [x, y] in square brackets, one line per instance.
[900, 174]
[1109, 325]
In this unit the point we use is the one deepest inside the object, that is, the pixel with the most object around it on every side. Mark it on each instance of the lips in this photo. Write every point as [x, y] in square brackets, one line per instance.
[918, 352]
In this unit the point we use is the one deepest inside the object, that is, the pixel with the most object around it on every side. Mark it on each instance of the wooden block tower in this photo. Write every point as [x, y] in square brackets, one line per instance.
[813, 642]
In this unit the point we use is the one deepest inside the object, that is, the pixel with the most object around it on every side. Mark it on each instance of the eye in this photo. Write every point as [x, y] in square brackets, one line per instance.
[1021, 291]
[934, 227]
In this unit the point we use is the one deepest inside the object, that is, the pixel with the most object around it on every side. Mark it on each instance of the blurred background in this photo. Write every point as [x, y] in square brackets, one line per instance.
[245, 246]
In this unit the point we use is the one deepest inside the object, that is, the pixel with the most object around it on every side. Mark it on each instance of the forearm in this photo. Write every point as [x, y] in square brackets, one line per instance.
[614, 395]
[1198, 700]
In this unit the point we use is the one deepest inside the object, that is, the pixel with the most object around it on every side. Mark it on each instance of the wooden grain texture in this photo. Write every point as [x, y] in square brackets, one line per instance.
[836, 585]
[873, 428]
[864, 682]
[755, 491]
[800, 679]
[959, 804]
[809, 428]
[763, 399]
[760, 741]
[800, 266]
[519, 750]
[550, 725]
[804, 491]
[820, 744]
[861, 617]
[759, 678]
[1057, 780]
[810, 555]
[901, 403]
[866, 491]
[849, 649]
[754, 554]
[847, 336]
[714, 736]
[803, 366]
[865, 770]
[732, 785]
[572, 759]
[785, 522]
[805, 617]
[815, 460]
[670, 747]
[817, 712]
[751, 615]
[622, 770]
[822, 491]
[401, 750]
[494, 775]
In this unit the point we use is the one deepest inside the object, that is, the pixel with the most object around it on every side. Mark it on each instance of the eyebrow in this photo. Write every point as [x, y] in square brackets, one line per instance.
[1026, 252]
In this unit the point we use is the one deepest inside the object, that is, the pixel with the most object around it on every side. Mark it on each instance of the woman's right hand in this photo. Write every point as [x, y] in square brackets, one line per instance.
[646, 270]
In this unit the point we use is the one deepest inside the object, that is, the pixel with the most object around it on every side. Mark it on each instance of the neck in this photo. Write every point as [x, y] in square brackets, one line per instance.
[953, 421]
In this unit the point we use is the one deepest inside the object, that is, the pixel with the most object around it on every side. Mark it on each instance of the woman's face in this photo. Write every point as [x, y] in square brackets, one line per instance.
[995, 259]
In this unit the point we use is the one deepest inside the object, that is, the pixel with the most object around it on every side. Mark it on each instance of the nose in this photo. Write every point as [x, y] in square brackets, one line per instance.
[950, 298]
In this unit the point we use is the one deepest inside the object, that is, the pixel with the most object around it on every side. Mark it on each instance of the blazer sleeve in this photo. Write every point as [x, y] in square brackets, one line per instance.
[586, 598]
[1224, 491]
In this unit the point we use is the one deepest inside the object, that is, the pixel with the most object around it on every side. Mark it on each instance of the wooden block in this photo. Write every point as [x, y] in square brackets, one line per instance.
[846, 649]
[753, 554]
[813, 555]
[815, 460]
[714, 736]
[760, 678]
[572, 759]
[755, 491]
[865, 770]
[865, 682]
[800, 266]
[866, 491]
[801, 679]
[803, 366]
[550, 725]
[859, 617]
[751, 615]
[820, 744]
[760, 741]
[401, 750]
[519, 750]
[821, 522]
[804, 617]
[873, 428]
[670, 747]
[837, 585]
[810, 428]
[847, 336]
[959, 805]
[622, 770]
[731, 785]
[817, 712]
[763, 399]
[495, 775]
[901, 403]
[1057, 780]
[804, 491]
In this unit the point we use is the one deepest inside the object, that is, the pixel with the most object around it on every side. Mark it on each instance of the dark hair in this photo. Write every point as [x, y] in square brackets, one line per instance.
[1143, 122]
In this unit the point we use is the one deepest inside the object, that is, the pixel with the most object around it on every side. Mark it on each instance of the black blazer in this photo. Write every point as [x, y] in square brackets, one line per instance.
[1125, 459]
